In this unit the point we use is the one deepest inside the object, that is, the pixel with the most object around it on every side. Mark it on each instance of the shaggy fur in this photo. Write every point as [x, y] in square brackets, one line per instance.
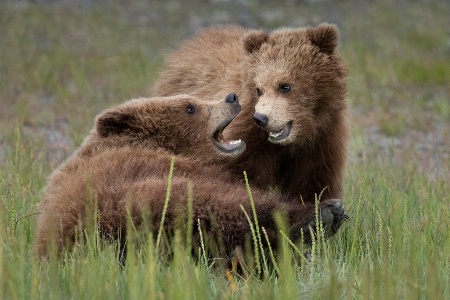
[289, 79]
[162, 123]
[122, 169]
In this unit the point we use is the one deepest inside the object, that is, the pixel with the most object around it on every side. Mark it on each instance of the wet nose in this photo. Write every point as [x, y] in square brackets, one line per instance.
[260, 119]
[231, 98]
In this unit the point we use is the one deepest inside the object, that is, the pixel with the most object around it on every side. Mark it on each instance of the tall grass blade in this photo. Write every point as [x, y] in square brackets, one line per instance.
[166, 202]
[255, 219]
[255, 242]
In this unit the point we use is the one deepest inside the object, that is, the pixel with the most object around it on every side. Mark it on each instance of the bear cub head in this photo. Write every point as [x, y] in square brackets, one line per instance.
[182, 124]
[297, 81]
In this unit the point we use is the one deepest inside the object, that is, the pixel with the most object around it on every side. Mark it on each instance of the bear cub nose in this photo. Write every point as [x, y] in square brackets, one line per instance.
[231, 98]
[260, 119]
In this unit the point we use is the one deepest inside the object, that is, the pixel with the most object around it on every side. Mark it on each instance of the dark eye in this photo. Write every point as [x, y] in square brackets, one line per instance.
[190, 109]
[284, 88]
[258, 92]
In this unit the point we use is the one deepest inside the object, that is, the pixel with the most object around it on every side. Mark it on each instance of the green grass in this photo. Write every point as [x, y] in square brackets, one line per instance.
[62, 64]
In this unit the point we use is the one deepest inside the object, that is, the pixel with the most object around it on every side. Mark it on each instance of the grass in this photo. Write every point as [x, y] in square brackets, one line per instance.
[61, 64]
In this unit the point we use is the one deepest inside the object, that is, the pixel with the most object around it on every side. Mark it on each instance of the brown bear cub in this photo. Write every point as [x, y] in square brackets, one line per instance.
[292, 87]
[122, 170]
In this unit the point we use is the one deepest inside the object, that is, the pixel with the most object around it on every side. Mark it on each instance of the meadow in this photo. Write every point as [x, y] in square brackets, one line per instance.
[62, 62]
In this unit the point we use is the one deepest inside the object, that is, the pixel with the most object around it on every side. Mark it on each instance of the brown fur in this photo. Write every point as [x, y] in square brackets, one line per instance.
[122, 169]
[161, 123]
[232, 59]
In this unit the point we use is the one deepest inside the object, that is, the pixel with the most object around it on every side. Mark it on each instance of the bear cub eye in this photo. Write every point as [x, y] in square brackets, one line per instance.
[190, 109]
[284, 88]
[258, 92]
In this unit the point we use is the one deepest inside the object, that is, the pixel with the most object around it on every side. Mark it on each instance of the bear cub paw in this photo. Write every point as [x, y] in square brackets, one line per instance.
[331, 215]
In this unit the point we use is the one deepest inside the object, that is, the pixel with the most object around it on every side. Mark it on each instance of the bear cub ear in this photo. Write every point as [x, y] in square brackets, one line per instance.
[324, 36]
[253, 40]
[114, 122]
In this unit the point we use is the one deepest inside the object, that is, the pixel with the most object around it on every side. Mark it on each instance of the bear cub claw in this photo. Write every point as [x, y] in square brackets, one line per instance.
[331, 215]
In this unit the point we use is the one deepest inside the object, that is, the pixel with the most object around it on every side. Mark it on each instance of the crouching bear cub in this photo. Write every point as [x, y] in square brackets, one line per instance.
[122, 168]
[291, 84]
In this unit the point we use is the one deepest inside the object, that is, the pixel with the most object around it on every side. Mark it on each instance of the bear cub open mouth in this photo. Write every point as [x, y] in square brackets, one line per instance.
[282, 134]
[232, 147]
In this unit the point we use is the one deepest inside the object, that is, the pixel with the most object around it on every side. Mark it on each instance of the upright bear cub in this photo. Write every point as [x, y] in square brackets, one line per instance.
[292, 88]
[121, 170]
